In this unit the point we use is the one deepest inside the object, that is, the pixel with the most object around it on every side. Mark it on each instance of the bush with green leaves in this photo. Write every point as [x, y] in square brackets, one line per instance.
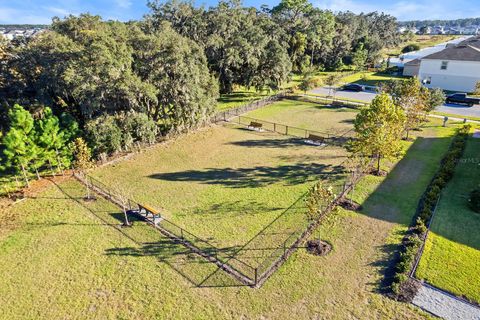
[410, 48]
[104, 135]
[309, 83]
[110, 134]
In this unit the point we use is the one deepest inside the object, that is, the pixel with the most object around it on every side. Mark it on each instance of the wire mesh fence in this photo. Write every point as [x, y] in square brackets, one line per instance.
[222, 256]
[263, 254]
[227, 114]
[335, 138]
[333, 100]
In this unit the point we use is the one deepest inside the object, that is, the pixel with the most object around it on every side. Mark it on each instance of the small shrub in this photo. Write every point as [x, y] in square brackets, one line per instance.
[420, 227]
[474, 201]
[396, 288]
[425, 214]
[439, 182]
[104, 134]
[410, 48]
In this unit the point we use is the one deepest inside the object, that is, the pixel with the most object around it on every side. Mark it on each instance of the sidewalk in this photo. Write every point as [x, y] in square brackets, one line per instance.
[444, 305]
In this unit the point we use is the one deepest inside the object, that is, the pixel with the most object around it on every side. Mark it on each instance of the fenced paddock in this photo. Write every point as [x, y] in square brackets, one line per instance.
[238, 194]
[306, 115]
[261, 256]
[338, 138]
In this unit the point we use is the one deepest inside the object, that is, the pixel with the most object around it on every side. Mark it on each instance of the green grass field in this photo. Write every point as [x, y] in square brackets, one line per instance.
[242, 95]
[238, 98]
[224, 183]
[370, 78]
[452, 251]
[69, 259]
[307, 115]
[423, 41]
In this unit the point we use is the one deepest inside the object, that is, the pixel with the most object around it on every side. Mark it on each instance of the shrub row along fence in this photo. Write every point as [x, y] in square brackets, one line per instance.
[334, 138]
[230, 113]
[403, 286]
[247, 272]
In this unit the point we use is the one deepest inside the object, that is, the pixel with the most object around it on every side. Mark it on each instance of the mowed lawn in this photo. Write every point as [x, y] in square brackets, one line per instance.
[451, 259]
[62, 257]
[65, 259]
[225, 183]
[307, 115]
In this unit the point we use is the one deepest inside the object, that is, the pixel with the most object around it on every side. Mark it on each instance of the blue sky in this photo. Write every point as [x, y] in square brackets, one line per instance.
[41, 11]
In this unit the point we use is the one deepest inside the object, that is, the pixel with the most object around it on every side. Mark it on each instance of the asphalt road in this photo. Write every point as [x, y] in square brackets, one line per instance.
[363, 95]
[459, 110]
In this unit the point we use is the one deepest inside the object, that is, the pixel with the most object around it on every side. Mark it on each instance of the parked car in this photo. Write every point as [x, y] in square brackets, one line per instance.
[353, 87]
[462, 98]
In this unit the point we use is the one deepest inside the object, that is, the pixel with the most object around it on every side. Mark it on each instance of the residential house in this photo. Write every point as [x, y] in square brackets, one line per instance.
[456, 68]
[411, 68]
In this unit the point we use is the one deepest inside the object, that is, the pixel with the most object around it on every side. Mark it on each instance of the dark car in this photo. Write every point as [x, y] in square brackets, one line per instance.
[353, 87]
[462, 98]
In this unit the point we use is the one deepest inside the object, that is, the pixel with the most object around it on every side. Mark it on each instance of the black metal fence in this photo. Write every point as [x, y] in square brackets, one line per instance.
[171, 229]
[250, 273]
[335, 138]
[229, 113]
[333, 100]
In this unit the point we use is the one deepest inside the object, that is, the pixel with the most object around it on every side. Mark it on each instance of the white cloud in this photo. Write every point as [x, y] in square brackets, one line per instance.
[58, 11]
[124, 4]
[14, 16]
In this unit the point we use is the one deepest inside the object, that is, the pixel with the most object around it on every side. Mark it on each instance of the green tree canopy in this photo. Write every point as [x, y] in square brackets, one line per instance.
[378, 130]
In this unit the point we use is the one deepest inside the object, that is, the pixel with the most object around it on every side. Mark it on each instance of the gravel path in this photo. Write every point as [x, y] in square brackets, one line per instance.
[444, 305]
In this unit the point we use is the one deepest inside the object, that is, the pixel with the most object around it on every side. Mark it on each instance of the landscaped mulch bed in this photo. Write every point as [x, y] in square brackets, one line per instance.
[318, 247]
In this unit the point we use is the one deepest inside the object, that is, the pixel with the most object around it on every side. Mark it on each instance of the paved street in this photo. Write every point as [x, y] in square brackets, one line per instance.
[364, 96]
[459, 110]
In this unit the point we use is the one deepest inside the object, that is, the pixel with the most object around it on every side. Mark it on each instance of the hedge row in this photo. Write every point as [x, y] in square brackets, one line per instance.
[402, 287]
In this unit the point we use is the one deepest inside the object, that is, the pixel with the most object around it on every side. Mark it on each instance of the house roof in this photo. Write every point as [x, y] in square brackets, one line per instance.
[414, 62]
[468, 50]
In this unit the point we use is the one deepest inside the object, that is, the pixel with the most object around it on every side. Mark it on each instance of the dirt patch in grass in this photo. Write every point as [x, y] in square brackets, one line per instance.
[318, 247]
[349, 204]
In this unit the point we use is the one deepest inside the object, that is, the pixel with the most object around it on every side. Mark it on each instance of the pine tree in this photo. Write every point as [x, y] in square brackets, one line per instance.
[53, 142]
[20, 148]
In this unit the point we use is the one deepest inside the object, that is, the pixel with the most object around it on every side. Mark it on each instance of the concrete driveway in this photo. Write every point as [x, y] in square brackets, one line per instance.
[363, 95]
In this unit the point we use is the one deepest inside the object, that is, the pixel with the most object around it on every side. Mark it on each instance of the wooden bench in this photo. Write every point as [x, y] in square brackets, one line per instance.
[255, 125]
[143, 208]
[315, 139]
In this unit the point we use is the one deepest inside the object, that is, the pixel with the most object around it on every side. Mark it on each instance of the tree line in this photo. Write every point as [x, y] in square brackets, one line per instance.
[127, 83]
[467, 22]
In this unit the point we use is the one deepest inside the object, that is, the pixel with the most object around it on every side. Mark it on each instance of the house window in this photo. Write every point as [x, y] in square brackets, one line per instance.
[444, 65]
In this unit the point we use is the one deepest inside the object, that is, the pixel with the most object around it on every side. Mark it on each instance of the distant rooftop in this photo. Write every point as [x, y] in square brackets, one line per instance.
[468, 50]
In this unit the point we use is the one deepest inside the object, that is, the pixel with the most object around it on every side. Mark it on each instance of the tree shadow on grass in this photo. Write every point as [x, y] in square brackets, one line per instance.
[234, 208]
[270, 143]
[255, 177]
[396, 199]
[195, 269]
